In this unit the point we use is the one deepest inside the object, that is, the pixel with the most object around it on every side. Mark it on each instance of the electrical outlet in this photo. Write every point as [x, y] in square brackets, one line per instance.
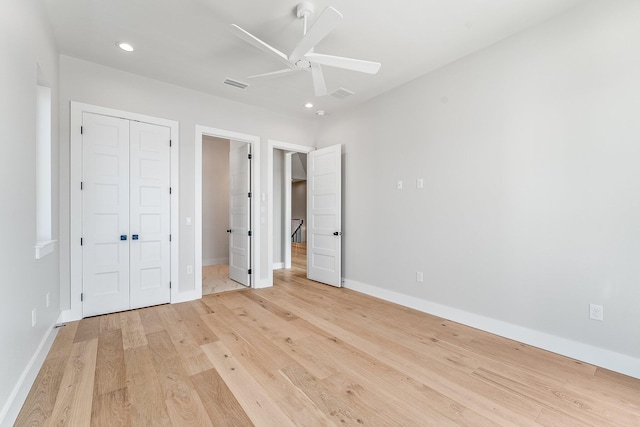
[399, 185]
[48, 300]
[596, 312]
[189, 269]
[33, 318]
[419, 276]
[420, 183]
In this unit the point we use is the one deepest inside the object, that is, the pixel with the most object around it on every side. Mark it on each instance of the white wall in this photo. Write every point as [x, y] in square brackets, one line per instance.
[26, 41]
[91, 83]
[299, 205]
[530, 154]
[278, 208]
[215, 201]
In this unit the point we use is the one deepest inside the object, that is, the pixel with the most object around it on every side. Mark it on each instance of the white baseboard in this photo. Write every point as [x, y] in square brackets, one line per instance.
[18, 395]
[215, 261]
[608, 359]
[278, 265]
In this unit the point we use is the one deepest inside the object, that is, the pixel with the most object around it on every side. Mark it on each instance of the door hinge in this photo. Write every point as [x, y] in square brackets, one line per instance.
[249, 233]
[82, 297]
[81, 185]
[249, 156]
[169, 285]
[249, 271]
[81, 130]
[169, 237]
[249, 194]
[169, 143]
[169, 190]
[81, 241]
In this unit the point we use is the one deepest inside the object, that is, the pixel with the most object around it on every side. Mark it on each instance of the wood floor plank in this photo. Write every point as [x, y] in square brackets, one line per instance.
[220, 403]
[133, 333]
[256, 355]
[253, 399]
[268, 305]
[39, 403]
[183, 403]
[109, 322]
[63, 343]
[224, 324]
[191, 355]
[110, 367]
[339, 411]
[111, 409]
[150, 319]
[190, 313]
[75, 394]
[144, 391]
[88, 329]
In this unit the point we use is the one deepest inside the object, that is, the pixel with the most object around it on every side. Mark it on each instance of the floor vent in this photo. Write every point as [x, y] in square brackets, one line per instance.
[341, 93]
[235, 83]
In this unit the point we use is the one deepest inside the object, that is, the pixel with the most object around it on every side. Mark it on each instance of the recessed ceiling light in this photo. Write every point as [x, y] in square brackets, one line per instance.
[125, 46]
[308, 105]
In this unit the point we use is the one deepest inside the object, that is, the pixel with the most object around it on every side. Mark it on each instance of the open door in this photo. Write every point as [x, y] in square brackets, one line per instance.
[324, 229]
[240, 212]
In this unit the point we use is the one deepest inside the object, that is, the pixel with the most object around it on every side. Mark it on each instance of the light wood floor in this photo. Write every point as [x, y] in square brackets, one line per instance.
[215, 279]
[307, 354]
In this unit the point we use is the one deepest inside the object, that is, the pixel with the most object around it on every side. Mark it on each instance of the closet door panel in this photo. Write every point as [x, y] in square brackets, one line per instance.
[149, 214]
[105, 214]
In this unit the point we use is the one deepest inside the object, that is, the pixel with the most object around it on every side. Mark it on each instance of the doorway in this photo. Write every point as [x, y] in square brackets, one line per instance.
[280, 173]
[289, 208]
[238, 229]
[215, 217]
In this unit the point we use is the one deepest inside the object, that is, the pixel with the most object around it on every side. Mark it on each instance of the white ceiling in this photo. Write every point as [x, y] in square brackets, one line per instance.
[187, 43]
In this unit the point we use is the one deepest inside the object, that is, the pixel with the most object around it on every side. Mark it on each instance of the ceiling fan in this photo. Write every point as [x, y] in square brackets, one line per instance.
[303, 58]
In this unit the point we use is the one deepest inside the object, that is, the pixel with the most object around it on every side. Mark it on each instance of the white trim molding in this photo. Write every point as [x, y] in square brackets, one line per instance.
[77, 109]
[608, 359]
[214, 261]
[43, 249]
[9, 412]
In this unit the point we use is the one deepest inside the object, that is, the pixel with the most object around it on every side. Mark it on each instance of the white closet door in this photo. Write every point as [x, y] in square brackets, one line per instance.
[324, 229]
[105, 217]
[239, 212]
[149, 214]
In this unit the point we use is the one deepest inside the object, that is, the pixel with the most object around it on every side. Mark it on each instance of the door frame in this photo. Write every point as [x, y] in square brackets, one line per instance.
[290, 148]
[75, 261]
[254, 140]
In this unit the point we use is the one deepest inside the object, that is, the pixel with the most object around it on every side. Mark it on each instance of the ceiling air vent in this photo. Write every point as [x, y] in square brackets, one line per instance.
[235, 83]
[341, 93]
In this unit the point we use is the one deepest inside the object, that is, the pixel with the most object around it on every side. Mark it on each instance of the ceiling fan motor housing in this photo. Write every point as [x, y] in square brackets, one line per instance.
[305, 9]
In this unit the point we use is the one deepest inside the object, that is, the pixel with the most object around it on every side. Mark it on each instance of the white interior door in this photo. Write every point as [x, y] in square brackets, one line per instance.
[324, 206]
[105, 214]
[150, 218]
[240, 212]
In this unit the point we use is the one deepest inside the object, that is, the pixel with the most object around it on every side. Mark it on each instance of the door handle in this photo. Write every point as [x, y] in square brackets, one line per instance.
[337, 233]
[229, 231]
[123, 237]
[134, 237]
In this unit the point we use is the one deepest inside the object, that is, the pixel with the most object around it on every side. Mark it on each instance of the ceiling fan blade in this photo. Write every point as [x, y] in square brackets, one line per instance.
[346, 63]
[319, 85]
[273, 74]
[256, 42]
[326, 22]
